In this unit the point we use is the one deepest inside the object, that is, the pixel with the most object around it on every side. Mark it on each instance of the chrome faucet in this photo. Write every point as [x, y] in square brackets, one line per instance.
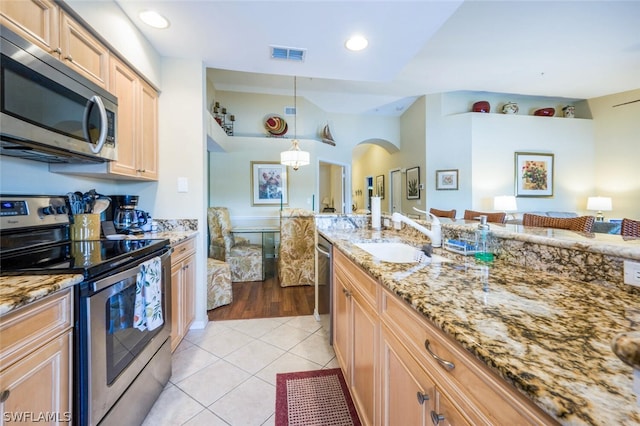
[434, 234]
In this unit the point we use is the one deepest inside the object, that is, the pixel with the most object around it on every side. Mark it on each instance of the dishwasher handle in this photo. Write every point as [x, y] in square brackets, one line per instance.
[323, 250]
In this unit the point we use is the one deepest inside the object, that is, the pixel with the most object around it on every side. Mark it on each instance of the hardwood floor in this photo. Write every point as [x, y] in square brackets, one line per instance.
[266, 299]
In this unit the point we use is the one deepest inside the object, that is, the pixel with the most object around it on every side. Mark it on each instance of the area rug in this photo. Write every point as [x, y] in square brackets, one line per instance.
[318, 397]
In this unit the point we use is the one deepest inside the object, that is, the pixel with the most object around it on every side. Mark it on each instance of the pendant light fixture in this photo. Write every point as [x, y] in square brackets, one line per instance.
[294, 157]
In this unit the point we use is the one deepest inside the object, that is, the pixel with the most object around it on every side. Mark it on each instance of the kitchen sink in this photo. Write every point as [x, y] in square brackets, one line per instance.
[394, 252]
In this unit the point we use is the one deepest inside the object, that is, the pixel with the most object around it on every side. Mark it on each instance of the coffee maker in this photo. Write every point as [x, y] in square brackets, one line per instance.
[126, 218]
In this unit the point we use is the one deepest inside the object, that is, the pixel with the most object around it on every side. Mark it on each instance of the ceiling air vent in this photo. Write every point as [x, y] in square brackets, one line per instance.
[288, 53]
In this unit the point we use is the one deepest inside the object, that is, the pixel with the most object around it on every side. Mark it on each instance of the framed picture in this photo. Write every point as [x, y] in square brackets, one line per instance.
[413, 183]
[269, 185]
[380, 186]
[447, 179]
[533, 174]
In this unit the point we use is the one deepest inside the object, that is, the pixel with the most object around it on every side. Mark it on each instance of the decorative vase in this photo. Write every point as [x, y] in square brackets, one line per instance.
[569, 111]
[481, 106]
[510, 108]
[545, 112]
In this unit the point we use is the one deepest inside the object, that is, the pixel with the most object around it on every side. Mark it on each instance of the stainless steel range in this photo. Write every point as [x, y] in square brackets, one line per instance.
[120, 366]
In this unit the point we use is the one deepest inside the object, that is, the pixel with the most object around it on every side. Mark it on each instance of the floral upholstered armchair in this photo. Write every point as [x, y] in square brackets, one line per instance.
[244, 259]
[296, 259]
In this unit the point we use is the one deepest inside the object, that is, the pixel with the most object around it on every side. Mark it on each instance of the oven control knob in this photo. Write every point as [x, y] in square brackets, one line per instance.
[62, 210]
[48, 210]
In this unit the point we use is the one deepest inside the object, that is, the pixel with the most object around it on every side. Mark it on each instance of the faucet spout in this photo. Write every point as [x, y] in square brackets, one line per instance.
[434, 234]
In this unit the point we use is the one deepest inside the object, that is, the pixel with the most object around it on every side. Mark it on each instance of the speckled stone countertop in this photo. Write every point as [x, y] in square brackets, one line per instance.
[17, 291]
[549, 336]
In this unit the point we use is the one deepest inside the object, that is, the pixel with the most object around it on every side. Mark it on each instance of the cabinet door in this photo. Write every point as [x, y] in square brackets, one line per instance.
[39, 383]
[176, 305]
[341, 323]
[188, 281]
[408, 393]
[35, 20]
[364, 353]
[124, 84]
[148, 140]
[446, 413]
[82, 52]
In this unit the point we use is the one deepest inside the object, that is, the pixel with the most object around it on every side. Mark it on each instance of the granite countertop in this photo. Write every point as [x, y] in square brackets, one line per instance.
[548, 336]
[17, 291]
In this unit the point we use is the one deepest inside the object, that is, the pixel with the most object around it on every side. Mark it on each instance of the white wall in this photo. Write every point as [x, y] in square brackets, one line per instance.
[617, 152]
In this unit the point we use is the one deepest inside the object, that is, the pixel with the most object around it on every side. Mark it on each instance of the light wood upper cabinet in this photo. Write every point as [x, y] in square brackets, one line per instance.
[35, 20]
[45, 24]
[36, 359]
[83, 52]
[137, 138]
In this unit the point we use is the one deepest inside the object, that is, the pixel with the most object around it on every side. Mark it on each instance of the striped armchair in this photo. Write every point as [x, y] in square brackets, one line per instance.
[579, 224]
[630, 228]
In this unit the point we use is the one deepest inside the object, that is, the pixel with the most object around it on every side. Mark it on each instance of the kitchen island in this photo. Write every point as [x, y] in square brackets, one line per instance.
[547, 335]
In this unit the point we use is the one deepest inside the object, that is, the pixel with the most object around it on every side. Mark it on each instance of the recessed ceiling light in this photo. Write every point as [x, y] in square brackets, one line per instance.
[356, 43]
[154, 19]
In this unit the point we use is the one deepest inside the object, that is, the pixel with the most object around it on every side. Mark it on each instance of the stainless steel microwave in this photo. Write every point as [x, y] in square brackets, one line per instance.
[49, 112]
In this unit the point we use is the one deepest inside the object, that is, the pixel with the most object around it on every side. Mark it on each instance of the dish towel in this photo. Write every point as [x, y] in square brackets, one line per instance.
[147, 313]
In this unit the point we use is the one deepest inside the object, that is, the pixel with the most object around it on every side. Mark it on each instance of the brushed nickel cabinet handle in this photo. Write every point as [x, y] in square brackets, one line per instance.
[422, 397]
[436, 418]
[446, 364]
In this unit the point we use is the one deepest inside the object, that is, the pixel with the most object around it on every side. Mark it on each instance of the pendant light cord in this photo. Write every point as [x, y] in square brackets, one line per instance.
[295, 107]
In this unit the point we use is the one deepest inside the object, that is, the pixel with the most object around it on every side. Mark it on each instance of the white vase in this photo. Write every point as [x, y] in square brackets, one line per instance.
[510, 108]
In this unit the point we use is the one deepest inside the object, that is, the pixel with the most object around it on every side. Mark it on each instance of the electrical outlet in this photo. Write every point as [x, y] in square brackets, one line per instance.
[632, 273]
[386, 222]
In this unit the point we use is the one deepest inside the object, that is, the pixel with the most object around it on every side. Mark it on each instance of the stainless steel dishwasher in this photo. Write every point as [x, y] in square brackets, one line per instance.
[324, 289]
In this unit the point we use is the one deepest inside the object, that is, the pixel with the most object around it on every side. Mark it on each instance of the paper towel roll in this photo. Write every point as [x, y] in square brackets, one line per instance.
[375, 212]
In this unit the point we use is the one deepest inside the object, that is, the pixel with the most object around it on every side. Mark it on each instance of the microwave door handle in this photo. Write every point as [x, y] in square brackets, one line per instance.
[103, 123]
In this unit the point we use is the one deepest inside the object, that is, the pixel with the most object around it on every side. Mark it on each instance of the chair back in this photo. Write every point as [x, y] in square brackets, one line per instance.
[451, 214]
[220, 236]
[630, 228]
[580, 223]
[491, 217]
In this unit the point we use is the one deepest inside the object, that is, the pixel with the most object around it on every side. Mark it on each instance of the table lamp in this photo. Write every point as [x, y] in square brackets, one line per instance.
[505, 203]
[599, 204]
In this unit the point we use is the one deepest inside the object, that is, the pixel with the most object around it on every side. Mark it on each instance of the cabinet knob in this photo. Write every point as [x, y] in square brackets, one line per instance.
[346, 292]
[436, 418]
[57, 50]
[69, 58]
[446, 364]
[422, 397]
[4, 395]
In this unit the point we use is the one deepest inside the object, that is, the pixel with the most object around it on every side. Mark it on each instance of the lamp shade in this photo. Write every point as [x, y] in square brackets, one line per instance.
[599, 203]
[294, 157]
[505, 203]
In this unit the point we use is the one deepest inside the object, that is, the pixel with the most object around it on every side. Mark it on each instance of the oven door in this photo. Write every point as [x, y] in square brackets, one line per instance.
[116, 352]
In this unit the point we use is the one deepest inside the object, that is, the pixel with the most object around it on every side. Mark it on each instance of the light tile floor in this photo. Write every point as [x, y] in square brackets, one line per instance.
[226, 373]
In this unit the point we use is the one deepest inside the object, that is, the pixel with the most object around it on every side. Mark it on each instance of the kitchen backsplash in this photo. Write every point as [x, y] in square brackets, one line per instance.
[176, 224]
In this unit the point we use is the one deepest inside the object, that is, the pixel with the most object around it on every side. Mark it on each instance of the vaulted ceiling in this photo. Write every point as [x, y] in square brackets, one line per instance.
[573, 49]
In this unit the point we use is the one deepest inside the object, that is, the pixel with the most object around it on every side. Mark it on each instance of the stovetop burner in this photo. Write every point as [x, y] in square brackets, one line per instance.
[90, 258]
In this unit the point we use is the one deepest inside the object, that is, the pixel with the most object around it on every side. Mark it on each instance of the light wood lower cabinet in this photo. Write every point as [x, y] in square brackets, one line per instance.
[183, 268]
[356, 330]
[415, 374]
[35, 362]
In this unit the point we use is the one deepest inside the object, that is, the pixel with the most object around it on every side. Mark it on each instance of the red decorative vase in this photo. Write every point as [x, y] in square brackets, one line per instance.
[481, 106]
[545, 112]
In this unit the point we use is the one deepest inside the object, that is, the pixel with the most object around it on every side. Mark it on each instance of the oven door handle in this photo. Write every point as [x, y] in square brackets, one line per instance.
[108, 281]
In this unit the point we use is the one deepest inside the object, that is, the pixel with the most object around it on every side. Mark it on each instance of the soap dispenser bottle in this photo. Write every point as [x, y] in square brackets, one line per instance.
[483, 253]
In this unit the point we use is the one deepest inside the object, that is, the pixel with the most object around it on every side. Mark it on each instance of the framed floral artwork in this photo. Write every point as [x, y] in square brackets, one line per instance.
[533, 174]
[380, 186]
[447, 179]
[269, 185]
[413, 183]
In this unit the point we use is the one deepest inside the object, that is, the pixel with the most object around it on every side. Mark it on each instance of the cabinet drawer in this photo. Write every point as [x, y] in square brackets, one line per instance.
[469, 382]
[30, 327]
[360, 281]
[183, 249]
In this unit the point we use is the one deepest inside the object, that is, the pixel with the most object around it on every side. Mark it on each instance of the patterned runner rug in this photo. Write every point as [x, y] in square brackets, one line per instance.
[317, 397]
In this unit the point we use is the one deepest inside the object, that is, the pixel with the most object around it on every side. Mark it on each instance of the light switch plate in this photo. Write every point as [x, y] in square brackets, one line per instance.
[632, 273]
[183, 184]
